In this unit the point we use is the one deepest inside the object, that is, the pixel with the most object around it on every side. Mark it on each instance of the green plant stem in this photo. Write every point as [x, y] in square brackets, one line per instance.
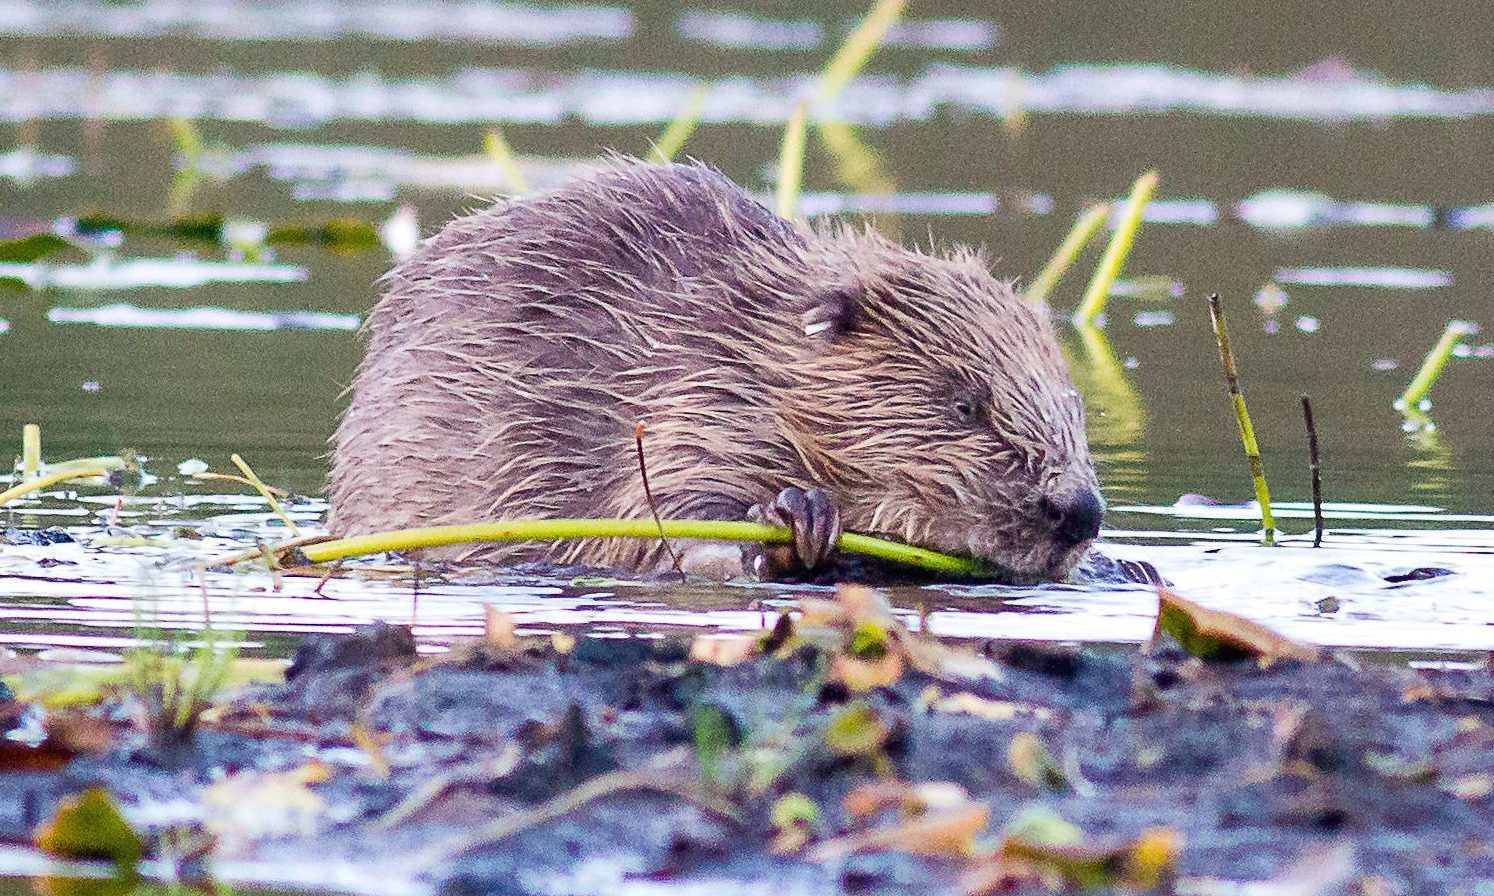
[1242, 417]
[553, 530]
[264, 491]
[44, 482]
[1432, 364]
[791, 162]
[1079, 236]
[673, 139]
[1115, 253]
[30, 451]
[859, 46]
[502, 155]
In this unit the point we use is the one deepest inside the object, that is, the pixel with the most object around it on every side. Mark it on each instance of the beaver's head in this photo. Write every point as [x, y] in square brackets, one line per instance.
[936, 404]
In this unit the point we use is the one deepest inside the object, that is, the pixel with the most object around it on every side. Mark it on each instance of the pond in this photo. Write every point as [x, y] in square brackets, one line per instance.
[1327, 181]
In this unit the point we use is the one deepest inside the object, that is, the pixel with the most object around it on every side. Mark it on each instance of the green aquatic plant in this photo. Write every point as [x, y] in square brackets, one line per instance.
[561, 529]
[672, 140]
[1079, 235]
[791, 162]
[1417, 390]
[1242, 418]
[175, 676]
[30, 451]
[269, 496]
[859, 46]
[1098, 290]
[497, 149]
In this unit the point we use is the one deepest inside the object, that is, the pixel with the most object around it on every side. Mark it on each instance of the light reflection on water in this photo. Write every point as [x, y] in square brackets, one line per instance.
[1279, 166]
[1402, 588]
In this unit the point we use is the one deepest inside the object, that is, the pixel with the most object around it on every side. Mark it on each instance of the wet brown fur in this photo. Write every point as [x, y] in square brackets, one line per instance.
[510, 359]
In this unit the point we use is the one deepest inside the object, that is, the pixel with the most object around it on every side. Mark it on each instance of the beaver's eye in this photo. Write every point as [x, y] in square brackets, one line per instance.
[967, 407]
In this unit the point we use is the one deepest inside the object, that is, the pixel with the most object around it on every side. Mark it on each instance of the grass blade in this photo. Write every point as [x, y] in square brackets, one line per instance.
[1079, 236]
[672, 140]
[1115, 253]
[502, 155]
[791, 162]
[859, 46]
[31, 449]
[1415, 395]
[264, 491]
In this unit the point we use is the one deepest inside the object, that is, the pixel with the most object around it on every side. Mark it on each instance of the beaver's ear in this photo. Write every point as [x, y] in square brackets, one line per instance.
[834, 313]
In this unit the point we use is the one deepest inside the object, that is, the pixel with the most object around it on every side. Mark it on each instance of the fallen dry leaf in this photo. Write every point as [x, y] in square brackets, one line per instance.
[941, 832]
[1217, 635]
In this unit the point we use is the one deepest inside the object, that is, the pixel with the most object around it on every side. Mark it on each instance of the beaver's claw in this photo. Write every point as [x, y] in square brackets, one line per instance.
[815, 521]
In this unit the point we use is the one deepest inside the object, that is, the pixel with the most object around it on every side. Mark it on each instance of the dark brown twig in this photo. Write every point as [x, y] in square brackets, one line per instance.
[653, 508]
[1317, 472]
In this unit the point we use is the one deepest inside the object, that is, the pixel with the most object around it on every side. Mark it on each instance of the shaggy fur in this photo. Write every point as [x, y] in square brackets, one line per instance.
[509, 360]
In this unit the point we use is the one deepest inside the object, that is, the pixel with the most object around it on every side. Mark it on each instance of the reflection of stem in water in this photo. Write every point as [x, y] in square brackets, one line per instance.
[1431, 460]
[1115, 416]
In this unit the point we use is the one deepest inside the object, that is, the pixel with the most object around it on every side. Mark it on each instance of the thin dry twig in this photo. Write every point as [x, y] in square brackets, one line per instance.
[1317, 472]
[653, 506]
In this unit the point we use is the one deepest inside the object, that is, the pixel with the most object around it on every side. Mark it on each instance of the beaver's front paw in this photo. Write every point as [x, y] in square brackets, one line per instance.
[815, 521]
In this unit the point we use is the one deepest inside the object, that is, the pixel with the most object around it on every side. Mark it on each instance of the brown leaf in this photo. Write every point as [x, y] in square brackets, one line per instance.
[722, 651]
[941, 832]
[498, 627]
[1217, 635]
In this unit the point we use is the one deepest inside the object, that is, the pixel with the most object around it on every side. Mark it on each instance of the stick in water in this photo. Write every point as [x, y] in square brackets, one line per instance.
[1316, 470]
[1242, 417]
[653, 508]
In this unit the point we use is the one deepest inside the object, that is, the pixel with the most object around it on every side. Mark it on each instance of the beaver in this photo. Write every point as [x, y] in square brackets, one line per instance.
[823, 378]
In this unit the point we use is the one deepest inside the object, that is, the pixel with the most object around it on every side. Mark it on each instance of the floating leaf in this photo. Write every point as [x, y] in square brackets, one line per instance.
[89, 825]
[1219, 636]
[28, 249]
[1029, 759]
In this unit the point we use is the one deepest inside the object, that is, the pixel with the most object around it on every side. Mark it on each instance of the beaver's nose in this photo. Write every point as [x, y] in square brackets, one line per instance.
[1076, 517]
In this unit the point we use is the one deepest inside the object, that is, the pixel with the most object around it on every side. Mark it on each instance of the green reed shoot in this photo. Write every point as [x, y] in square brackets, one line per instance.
[1114, 258]
[1242, 417]
[1083, 231]
[265, 492]
[1415, 395]
[791, 162]
[859, 46]
[31, 442]
[672, 140]
[497, 149]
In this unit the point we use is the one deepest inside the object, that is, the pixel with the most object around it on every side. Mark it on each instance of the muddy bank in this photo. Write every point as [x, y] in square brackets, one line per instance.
[839, 753]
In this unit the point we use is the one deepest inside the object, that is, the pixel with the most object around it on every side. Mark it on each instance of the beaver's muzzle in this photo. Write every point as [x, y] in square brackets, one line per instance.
[1076, 516]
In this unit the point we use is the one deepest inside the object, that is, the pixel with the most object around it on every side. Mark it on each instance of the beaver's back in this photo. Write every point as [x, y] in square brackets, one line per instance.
[509, 360]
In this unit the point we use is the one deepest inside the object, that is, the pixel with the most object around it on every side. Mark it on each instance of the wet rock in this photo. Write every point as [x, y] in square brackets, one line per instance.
[37, 537]
[378, 644]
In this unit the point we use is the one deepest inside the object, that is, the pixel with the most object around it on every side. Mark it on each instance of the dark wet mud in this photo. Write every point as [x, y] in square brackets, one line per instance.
[838, 753]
